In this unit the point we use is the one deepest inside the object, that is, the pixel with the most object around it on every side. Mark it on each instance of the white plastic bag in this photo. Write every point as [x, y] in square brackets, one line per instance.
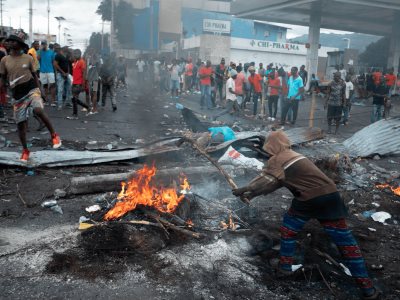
[236, 158]
[380, 216]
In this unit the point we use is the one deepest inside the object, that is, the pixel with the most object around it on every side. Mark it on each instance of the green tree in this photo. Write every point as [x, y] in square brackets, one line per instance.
[95, 41]
[104, 10]
[123, 19]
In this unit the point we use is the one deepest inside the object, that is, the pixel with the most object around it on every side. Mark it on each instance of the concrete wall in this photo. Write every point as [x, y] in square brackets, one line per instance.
[284, 60]
[217, 6]
[138, 4]
[214, 48]
[192, 21]
[145, 29]
[170, 16]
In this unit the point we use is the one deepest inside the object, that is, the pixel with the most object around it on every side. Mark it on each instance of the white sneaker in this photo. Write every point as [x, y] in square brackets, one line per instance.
[269, 119]
[272, 119]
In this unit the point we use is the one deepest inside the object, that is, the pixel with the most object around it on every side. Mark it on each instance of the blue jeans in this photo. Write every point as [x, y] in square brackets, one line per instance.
[346, 111]
[63, 84]
[376, 114]
[174, 85]
[205, 96]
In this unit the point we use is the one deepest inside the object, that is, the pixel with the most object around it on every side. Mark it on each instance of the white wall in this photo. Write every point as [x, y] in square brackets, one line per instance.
[281, 59]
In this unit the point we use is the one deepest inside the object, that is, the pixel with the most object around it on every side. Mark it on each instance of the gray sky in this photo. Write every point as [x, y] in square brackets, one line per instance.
[81, 19]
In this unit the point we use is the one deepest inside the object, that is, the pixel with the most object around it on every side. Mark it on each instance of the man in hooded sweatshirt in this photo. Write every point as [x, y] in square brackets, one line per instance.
[315, 197]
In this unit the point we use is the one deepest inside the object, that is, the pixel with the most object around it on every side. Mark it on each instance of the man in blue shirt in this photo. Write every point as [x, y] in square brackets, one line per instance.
[295, 90]
[47, 77]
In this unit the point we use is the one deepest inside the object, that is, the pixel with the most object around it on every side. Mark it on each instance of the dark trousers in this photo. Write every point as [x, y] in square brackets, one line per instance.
[273, 103]
[289, 104]
[76, 90]
[108, 89]
[220, 86]
[256, 96]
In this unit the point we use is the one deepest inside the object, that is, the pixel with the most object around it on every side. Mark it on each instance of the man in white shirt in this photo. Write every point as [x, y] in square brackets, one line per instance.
[347, 105]
[140, 65]
[156, 65]
[231, 99]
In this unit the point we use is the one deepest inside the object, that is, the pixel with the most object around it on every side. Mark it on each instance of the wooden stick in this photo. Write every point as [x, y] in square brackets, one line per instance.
[173, 226]
[312, 109]
[163, 223]
[328, 257]
[326, 282]
[20, 196]
[165, 230]
[132, 222]
[195, 235]
[228, 178]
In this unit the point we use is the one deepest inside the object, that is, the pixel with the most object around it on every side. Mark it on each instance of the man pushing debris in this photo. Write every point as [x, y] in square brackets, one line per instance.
[18, 69]
[315, 197]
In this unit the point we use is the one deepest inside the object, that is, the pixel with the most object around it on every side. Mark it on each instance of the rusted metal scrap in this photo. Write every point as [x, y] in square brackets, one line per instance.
[381, 138]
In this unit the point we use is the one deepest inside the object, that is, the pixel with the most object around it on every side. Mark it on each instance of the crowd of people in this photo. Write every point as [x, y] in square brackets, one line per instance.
[234, 86]
[50, 75]
[66, 78]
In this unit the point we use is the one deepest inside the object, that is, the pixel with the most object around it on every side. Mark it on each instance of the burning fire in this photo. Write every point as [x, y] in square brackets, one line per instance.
[141, 191]
[396, 191]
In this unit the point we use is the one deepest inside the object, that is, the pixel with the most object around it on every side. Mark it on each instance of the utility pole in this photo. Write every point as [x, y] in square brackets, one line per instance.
[59, 19]
[30, 21]
[112, 27]
[48, 19]
[1, 12]
[102, 35]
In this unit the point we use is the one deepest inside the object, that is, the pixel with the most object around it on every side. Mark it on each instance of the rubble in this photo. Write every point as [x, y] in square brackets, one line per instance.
[376, 140]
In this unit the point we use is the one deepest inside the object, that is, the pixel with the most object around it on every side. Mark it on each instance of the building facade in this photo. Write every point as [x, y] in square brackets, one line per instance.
[203, 29]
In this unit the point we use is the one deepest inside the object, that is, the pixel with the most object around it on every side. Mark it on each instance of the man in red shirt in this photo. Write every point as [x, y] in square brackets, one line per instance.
[189, 75]
[78, 83]
[391, 81]
[274, 83]
[376, 76]
[205, 74]
[239, 85]
[255, 80]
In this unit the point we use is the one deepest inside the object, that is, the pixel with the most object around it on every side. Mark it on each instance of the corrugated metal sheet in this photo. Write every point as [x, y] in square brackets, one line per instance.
[382, 137]
[61, 158]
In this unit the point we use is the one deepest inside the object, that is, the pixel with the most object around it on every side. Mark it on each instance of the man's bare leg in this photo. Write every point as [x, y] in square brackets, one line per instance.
[45, 119]
[94, 101]
[22, 127]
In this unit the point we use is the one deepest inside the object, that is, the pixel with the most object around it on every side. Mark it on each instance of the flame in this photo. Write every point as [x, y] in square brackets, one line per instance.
[395, 190]
[141, 191]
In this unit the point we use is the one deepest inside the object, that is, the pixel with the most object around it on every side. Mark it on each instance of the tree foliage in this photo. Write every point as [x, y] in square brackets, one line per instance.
[95, 41]
[376, 54]
[104, 10]
[123, 19]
